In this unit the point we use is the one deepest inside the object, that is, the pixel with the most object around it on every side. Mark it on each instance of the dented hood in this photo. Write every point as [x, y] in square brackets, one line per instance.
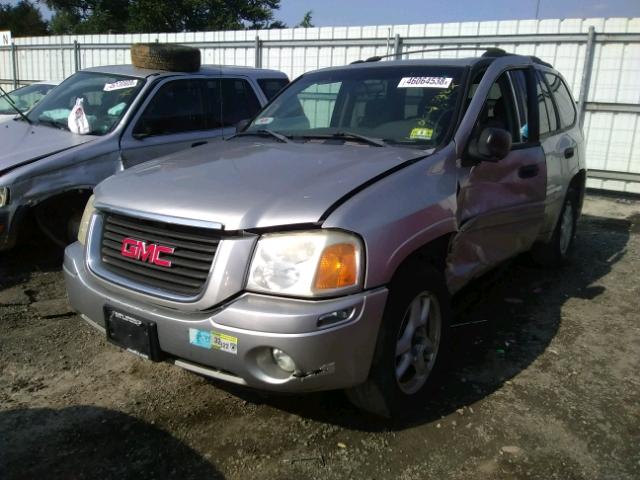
[245, 184]
[23, 143]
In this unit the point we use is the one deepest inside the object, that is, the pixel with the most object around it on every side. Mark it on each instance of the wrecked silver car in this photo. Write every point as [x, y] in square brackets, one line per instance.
[102, 120]
[320, 248]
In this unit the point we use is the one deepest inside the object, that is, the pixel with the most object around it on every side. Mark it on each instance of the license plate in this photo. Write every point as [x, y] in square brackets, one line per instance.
[134, 334]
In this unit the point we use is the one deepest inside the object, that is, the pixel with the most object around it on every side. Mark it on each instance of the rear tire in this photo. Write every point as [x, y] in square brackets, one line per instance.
[412, 345]
[558, 251]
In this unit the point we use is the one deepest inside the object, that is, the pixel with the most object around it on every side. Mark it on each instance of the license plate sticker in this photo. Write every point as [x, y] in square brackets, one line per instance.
[213, 340]
[226, 343]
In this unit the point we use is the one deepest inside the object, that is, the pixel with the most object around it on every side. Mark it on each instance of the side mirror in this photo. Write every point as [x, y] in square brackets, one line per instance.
[242, 124]
[492, 145]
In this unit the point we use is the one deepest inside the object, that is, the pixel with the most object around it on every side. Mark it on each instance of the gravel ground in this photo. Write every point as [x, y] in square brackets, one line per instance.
[547, 388]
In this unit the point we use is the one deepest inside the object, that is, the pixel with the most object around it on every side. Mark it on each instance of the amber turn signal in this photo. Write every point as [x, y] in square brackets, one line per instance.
[338, 267]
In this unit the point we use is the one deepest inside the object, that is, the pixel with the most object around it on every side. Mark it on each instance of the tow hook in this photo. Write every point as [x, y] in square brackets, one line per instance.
[323, 370]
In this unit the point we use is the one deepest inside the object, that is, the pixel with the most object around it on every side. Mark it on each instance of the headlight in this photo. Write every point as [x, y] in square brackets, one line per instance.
[4, 196]
[307, 264]
[84, 223]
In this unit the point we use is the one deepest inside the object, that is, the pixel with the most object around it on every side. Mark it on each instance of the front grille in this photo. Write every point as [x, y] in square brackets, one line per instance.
[194, 249]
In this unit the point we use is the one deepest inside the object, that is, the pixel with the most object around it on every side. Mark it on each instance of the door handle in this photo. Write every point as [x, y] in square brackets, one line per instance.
[568, 153]
[197, 144]
[528, 171]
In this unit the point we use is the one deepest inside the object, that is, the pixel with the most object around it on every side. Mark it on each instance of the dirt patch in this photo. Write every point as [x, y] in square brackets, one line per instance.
[546, 387]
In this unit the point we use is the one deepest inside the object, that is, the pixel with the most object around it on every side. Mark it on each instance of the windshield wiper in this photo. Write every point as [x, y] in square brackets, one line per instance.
[263, 132]
[52, 123]
[342, 135]
[13, 105]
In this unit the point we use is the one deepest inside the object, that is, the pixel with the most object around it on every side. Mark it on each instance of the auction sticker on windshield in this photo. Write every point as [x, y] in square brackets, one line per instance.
[122, 84]
[425, 82]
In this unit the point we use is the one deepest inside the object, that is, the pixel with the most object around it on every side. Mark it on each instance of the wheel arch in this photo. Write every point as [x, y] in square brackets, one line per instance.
[49, 211]
[578, 183]
[433, 253]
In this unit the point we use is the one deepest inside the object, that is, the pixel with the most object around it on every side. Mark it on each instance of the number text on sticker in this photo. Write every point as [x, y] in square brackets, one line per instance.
[425, 82]
[108, 87]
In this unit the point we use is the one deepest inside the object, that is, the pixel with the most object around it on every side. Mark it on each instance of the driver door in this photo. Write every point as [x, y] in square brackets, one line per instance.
[501, 204]
[181, 113]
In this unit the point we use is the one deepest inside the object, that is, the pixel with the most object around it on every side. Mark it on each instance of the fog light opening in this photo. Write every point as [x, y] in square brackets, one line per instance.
[283, 360]
[335, 317]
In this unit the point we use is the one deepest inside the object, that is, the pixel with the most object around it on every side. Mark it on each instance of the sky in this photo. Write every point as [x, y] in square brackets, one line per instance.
[371, 12]
[387, 12]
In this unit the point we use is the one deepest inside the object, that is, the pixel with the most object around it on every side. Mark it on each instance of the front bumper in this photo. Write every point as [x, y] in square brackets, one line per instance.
[327, 357]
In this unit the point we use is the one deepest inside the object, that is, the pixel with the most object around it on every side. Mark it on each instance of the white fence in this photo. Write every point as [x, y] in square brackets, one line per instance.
[602, 67]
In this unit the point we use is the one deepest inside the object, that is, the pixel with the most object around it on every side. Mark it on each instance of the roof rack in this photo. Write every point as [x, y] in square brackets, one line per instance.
[491, 52]
[540, 62]
[494, 52]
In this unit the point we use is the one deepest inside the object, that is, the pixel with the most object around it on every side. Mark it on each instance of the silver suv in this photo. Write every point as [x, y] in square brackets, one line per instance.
[320, 248]
[47, 172]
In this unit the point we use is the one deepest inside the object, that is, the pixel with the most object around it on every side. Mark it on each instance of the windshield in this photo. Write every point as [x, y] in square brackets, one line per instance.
[105, 99]
[413, 105]
[24, 98]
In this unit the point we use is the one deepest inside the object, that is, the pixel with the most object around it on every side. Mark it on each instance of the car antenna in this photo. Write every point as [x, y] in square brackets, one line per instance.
[13, 105]
[377, 58]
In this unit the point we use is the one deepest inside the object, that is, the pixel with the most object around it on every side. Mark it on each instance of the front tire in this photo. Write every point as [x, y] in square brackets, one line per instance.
[411, 347]
[59, 218]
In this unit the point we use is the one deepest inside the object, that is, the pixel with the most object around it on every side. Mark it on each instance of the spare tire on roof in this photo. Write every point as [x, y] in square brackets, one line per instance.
[165, 56]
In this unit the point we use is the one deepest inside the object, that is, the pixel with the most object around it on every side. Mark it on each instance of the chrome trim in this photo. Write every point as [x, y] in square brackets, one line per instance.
[129, 212]
[94, 263]
[92, 323]
[209, 372]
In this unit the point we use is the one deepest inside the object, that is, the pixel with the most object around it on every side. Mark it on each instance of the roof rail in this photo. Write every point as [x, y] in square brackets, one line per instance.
[494, 52]
[491, 52]
[540, 62]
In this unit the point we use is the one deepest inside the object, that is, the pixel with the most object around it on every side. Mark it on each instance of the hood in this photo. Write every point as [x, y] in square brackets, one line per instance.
[244, 184]
[23, 143]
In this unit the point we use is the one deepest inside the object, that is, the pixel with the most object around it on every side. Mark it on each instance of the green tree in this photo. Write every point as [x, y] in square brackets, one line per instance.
[101, 16]
[306, 20]
[23, 19]
[88, 16]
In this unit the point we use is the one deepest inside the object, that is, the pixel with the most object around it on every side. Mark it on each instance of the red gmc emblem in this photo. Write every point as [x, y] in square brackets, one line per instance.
[139, 250]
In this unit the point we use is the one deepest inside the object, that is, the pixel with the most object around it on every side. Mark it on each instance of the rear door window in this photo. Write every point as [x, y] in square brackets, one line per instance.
[272, 86]
[239, 102]
[546, 108]
[564, 102]
[178, 106]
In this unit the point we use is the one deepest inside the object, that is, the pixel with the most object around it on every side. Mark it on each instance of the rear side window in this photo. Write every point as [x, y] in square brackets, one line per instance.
[178, 106]
[239, 102]
[546, 109]
[564, 102]
[271, 86]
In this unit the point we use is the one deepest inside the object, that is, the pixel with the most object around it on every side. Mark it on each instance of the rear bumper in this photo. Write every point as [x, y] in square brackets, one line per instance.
[326, 357]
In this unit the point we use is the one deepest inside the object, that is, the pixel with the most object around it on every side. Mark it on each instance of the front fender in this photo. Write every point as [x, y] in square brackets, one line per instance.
[401, 213]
